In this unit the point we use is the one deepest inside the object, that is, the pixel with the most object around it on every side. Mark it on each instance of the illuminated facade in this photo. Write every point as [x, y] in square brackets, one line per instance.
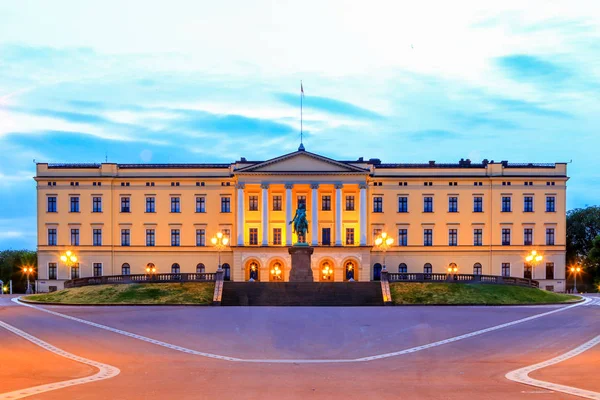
[484, 217]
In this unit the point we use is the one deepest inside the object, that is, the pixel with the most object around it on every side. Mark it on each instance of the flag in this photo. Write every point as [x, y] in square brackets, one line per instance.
[301, 89]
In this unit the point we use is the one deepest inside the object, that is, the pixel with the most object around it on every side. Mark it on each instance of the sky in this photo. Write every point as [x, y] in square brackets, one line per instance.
[206, 81]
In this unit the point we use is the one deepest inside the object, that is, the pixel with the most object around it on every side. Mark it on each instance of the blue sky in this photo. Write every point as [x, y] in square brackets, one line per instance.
[205, 81]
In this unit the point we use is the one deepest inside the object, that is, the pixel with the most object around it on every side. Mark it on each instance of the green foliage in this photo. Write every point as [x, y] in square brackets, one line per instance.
[459, 293]
[11, 263]
[583, 247]
[135, 293]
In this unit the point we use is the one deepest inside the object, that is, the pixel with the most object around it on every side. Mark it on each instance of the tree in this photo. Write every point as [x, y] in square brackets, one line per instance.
[583, 229]
[11, 264]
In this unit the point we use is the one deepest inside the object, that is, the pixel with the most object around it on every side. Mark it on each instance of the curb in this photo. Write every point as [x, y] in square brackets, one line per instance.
[46, 303]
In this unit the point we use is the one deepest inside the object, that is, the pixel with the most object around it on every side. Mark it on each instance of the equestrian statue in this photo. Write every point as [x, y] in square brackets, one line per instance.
[300, 223]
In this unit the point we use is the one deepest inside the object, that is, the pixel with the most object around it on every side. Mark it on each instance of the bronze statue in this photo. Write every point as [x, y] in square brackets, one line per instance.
[300, 223]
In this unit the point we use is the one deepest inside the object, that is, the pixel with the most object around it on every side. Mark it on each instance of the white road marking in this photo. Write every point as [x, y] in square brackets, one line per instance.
[304, 361]
[105, 371]
[522, 375]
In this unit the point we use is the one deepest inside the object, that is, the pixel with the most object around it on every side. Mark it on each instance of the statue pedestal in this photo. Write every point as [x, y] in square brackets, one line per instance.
[301, 271]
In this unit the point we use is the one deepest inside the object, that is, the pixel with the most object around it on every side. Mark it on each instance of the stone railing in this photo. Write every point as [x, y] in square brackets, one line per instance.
[142, 278]
[461, 278]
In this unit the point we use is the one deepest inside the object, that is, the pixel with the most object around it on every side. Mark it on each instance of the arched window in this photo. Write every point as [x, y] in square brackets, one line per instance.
[377, 272]
[427, 270]
[477, 269]
[253, 271]
[175, 269]
[226, 272]
[350, 268]
[402, 268]
[326, 272]
[200, 269]
[125, 269]
[276, 272]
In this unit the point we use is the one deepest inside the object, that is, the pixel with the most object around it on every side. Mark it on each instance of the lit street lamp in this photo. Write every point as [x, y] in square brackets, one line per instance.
[151, 269]
[533, 259]
[28, 271]
[69, 258]
[383, 243]
[575, 271]
[220, 242]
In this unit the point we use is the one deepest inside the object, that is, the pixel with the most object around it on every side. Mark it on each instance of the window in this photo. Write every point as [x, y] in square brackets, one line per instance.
[125, 237]
[376, 233]
[376, 272]
[402, 204]
[277, 236]
[75, 271]
[277, 203]
[51, 203]
[550, 204]
[505, 237]
[527, 236]
[505, 269]
[226, 233]
[477, 237]
[452, 204]
[427, 204]
[175, 204]
[150, 237]
[200, 237]
[125, 204]
[301, 200]
[225, 204]
[528, 204]
[402, 237]
[452, 237]
[150, 204]
[349, 236]
[97, 269]
[402, 268]
[527, 271]
[125, 269]
[97, 237]
[477, 204]
[506, 204]
[97, 204]
[326, 236]
[326, 203]
[349, 203]
[74, 204]
[52, 237]
[550, 270]
[477, 269]
[253, 203]
[175, 237]
[253, 236]
[350, 268]
[549, 236]
[200, 268]
[377, 204]
[175, 269]
[52, 269]
[427, 269]
[74, 237]
[226, 272]
[427, 237]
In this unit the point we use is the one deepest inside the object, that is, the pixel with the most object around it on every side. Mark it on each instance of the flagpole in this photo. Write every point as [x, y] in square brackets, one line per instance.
[301, 96]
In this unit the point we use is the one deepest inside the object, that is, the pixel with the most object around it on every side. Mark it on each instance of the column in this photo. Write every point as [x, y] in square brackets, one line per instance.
[314, 200]
[240, 214]
[363, 214]
[265, 214]
[338, 214]
[288, 213]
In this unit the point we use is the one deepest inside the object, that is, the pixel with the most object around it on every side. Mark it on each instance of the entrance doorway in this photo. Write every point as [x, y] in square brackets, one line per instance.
[377, 272]
[252, 270]
[350, 270]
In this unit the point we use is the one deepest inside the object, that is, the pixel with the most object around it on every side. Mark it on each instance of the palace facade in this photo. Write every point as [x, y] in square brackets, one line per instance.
[119, 218]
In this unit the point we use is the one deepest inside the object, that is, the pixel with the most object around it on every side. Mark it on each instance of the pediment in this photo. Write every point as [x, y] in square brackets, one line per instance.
[302, 162]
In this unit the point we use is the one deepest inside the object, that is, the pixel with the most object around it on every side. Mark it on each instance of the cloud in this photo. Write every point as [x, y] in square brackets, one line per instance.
[522, 106]
[434, 135]
[532, 69]
[329, 105]
[231, 124]
[472, 120]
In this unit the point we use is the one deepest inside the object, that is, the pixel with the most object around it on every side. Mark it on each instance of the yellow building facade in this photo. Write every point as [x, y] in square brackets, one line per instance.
[119, 218]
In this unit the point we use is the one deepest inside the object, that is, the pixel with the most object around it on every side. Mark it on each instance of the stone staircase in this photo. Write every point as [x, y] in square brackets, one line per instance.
[302, 294]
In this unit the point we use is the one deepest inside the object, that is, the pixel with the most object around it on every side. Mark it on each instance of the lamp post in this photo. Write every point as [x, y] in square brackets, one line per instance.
[276, 272]
[28, 271]
[575, 271]
[452, 269]
[383, 243]
[150, 269]
[327, 272]
[533, 259]
[220, 242]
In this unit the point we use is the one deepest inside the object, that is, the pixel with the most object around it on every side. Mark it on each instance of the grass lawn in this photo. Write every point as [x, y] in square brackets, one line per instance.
[462, 293]
[135, 293]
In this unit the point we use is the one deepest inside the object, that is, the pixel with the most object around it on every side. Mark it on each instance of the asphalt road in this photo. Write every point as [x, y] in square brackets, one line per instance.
[300, 352]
